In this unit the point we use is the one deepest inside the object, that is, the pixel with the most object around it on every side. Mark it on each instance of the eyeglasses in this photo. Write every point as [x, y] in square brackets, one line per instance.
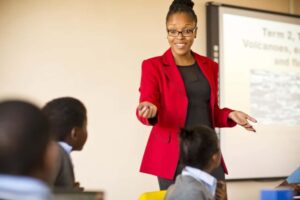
[188, 32]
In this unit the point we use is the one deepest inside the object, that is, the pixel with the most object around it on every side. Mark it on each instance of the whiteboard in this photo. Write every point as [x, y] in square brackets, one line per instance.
[259, 62]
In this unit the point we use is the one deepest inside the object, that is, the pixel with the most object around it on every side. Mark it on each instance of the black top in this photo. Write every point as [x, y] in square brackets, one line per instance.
[198, 93]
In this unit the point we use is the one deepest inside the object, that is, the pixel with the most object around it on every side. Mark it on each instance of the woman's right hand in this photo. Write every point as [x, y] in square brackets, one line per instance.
[147, 110]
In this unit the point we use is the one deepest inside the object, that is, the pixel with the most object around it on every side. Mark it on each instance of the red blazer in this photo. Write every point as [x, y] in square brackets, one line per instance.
[162, 85]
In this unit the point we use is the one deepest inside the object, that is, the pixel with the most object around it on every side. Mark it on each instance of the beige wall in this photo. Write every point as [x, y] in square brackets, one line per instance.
[296, 6]
[92, 50]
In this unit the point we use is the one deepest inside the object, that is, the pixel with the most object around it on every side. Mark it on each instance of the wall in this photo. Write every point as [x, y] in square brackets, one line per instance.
[296, 6]
[92, 50]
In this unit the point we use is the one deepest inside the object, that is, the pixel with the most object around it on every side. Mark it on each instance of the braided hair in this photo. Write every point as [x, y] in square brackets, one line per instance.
[185, 6]
[197, 146]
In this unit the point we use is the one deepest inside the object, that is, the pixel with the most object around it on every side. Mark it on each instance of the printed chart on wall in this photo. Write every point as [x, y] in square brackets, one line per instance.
[259, 58]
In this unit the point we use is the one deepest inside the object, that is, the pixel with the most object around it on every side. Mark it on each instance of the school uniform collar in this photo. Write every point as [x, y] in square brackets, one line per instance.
[68, 148]
[23, 187]
[209, 181]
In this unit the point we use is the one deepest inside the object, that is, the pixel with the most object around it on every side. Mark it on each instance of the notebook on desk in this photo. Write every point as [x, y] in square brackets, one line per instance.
[74, 195]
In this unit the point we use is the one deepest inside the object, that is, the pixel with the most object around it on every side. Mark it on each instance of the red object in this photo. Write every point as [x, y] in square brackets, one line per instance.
[162, 85]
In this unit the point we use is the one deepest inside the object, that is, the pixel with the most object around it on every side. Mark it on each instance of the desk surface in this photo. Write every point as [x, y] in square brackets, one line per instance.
[73, 195]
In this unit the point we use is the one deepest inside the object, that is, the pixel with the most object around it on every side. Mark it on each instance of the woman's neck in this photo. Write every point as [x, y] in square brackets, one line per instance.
[184, 60]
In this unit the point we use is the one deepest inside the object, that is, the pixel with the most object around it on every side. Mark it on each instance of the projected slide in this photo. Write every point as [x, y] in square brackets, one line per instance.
[267, 54]
[275, 97]
[259, 62]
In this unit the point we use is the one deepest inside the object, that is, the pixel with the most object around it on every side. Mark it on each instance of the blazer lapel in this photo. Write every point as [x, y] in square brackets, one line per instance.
[202, 63]
[172, 73]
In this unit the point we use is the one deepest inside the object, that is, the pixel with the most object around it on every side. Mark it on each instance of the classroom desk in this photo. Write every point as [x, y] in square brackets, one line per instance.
[74, 195]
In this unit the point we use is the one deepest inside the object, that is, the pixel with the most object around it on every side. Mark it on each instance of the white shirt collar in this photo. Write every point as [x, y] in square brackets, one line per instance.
[12, 186]
[209, 181]
[66, 147]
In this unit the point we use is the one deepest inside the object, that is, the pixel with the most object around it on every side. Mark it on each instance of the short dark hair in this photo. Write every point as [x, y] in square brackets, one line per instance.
[24, 137]
[185, 6]
[64, 114]
[197, 146]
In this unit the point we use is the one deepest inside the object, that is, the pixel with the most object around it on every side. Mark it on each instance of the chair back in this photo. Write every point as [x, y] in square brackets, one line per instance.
[276, 194]
[155, 195]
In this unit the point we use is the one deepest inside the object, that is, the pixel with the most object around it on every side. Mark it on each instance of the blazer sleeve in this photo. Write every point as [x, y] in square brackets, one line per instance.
[149, 90]
[220, 115]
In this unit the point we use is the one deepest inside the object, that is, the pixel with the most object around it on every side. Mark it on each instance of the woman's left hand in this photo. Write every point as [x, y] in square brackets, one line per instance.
[242, 119]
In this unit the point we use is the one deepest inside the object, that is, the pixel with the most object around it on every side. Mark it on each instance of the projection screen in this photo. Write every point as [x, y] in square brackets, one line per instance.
[259, 73]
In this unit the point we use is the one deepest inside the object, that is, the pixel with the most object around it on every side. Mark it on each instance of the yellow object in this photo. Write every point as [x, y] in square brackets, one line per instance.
[157, 195]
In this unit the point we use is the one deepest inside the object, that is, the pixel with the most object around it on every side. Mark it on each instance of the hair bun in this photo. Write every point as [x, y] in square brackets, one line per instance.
[188, 3]
[186, 134]
[182, 6]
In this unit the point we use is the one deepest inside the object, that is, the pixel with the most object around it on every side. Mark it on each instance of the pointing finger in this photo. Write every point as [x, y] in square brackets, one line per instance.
[251, 119]
[250, 128]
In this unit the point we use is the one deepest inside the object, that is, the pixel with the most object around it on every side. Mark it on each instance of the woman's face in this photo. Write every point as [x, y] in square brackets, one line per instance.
[181, 42]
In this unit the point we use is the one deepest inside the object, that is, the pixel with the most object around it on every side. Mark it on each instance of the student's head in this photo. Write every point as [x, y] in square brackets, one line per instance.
[68, 121]
[181, 17]
[26, 148]
[199, 148]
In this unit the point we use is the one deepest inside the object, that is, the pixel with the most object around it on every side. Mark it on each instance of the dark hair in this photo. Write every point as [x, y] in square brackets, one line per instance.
[24, 137]
[197, 146]
[179, 6]
[64, 114]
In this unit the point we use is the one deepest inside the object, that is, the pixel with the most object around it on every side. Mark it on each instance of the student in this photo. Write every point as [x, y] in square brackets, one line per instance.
[27, 153]
[200, 155]
[180, 89]
[293, 181]
[294, 177]
[68, 123]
